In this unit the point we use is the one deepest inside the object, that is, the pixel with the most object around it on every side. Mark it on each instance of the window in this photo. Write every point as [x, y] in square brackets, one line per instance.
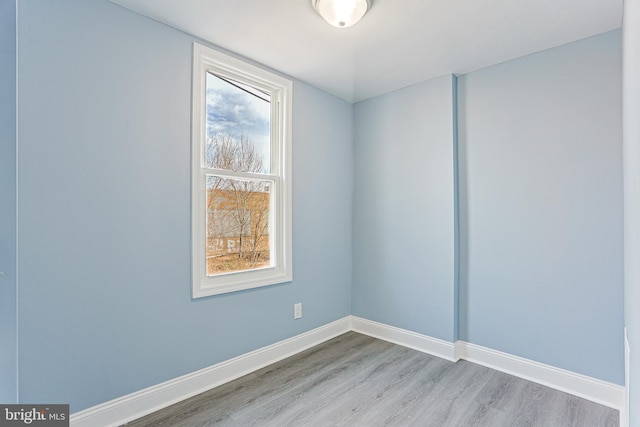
[241, 175]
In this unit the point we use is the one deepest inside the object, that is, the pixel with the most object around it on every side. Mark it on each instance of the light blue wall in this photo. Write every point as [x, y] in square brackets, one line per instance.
[104, 211]
[631, 113]
[404, 209]
[8, 325]
[541, 212]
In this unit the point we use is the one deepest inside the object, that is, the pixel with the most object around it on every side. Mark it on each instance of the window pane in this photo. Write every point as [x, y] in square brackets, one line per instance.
[238, 135]
[237, 225]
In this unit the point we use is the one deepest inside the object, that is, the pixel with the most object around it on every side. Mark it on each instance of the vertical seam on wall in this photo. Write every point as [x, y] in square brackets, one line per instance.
[456, 212]
[17, 299]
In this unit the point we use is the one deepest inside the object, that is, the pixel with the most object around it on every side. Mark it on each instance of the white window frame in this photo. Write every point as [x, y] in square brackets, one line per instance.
[208, 60]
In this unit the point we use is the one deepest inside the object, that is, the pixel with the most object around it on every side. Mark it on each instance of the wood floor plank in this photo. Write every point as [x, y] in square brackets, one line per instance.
[356, 380]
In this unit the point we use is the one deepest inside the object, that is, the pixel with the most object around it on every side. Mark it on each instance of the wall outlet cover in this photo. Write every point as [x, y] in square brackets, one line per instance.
[297, 310]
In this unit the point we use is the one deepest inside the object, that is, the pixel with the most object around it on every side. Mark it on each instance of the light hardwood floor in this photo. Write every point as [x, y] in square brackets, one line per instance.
[356, 380]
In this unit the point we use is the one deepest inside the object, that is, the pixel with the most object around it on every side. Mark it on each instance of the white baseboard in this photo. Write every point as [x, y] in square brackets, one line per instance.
[598, 391]
[141, 403]
[144, 402]
[416, 341]
[605, 393]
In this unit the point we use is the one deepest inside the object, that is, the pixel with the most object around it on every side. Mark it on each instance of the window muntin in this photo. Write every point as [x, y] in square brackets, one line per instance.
[241, 188]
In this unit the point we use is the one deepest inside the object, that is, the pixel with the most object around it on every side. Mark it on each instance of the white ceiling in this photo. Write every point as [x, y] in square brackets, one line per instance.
[397, 43]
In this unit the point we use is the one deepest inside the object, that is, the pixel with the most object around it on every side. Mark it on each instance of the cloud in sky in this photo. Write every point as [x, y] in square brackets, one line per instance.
[234, 112]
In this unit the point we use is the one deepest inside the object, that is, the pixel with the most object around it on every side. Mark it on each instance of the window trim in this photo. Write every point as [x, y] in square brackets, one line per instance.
[208, 60]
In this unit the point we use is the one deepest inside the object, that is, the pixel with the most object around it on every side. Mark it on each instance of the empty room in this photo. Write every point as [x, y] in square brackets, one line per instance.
[320, 212]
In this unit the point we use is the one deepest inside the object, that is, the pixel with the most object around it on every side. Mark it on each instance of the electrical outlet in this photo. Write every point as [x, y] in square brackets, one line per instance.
[297, 310]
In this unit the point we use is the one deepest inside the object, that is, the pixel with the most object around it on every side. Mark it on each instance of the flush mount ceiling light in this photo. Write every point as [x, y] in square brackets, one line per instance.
[342, 13]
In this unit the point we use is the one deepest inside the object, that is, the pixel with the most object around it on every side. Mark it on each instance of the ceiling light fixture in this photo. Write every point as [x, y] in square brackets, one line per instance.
[342, 13]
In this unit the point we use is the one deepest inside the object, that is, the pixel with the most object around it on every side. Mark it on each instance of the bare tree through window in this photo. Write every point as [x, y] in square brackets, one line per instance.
[237, 208]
